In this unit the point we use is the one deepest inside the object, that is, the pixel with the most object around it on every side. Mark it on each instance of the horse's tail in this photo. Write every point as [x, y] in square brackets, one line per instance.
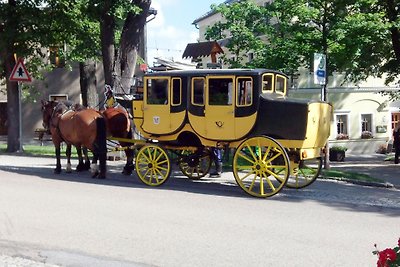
[101, 143]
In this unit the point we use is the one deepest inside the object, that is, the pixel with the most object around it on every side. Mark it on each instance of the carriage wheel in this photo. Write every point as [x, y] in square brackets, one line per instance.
[261, 166]
[304, 173]
[195, 166]
[153, 165]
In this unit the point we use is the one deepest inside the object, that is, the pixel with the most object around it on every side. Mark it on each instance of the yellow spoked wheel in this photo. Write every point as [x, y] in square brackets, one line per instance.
[153, 165]
[195, 165]
[304, 173]
[261, 166]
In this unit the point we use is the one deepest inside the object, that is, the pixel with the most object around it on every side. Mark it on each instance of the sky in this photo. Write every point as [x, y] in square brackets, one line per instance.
[172, 29]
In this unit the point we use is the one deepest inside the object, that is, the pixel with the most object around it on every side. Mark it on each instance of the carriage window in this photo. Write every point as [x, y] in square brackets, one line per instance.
[157, 91]
[220, 91]
[280, 86]
[267, 83]
[244, 91]
[198, 85]
[176, 91]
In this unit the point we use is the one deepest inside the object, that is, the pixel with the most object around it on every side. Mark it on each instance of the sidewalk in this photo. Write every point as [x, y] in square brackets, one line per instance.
[373, 165]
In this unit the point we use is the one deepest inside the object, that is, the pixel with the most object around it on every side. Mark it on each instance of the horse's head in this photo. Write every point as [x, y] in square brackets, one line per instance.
[47, 112]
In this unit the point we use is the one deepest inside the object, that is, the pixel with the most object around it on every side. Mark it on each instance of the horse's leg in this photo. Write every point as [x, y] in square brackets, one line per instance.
[129, 167]
[87, 160]
[101, 145]
[80, 166]
[68, 154]
[94, 169]
[130, 155]
[57, 170]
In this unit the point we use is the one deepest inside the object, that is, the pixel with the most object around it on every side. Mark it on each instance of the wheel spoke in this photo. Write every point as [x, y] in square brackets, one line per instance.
[244, 156]
[247, 175]
[252, 153]
[271, 185]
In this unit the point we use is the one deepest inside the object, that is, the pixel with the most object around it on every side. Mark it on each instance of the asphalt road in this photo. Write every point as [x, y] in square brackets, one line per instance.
[73, 220]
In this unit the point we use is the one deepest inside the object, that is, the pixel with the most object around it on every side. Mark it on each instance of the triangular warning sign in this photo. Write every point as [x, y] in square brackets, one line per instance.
[19, 73]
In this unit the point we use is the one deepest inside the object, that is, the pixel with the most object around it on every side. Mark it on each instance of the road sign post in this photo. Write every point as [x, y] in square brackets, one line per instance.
[19, 74]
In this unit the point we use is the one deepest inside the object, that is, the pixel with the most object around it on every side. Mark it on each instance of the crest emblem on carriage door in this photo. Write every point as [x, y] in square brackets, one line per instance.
[156, 120]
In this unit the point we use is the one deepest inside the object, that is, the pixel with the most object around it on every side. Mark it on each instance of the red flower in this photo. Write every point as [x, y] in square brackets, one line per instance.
[385, 256]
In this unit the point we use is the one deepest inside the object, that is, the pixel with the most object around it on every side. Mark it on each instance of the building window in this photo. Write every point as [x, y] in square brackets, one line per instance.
[342, 126]
[58, 97]
[251, 57]
[366, 122]
[55, 57]
[366, 126]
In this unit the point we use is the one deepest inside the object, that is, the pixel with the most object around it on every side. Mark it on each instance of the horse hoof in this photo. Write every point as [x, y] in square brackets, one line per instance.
[126, 172]
[95, 174]
[57, 171]
[101, 176]
[80, 168]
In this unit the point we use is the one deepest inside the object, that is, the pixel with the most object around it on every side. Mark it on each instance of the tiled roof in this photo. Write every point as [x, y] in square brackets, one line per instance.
[202, 49]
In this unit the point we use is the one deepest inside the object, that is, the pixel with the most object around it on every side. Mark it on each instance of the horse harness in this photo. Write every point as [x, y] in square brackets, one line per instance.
[56, 126]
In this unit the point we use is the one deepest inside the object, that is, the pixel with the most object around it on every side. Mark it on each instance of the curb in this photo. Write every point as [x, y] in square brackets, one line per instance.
[372, 184]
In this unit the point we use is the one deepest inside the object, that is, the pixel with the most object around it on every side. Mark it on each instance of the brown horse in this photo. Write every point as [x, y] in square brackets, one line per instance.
[119, 125]
[79, 127]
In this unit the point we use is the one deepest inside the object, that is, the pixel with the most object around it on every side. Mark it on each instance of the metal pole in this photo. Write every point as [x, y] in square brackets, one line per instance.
[20, 116]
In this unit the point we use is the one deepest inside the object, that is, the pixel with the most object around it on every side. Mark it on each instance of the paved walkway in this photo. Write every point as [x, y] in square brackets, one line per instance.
[373, 165]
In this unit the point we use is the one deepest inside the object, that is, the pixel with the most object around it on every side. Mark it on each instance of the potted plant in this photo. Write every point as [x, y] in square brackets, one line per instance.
[342, 136]
[366, 135]
[337, 153]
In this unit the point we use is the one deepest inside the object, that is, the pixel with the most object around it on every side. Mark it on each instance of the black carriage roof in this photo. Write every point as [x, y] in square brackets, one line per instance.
[204, 72]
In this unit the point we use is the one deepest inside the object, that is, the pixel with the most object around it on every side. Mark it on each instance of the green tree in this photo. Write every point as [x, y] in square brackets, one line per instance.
[22, 34]
[359, 37]
[242, 26]
[28, 26]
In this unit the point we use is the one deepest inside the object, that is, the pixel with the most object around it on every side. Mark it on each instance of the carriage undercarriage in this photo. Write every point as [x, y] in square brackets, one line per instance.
[261, 165]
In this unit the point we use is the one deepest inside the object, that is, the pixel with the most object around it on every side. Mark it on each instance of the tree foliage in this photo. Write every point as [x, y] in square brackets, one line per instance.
[360, 37]
[29, 27]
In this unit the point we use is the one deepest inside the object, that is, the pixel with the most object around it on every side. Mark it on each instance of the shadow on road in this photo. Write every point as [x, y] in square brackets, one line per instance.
[330, 193]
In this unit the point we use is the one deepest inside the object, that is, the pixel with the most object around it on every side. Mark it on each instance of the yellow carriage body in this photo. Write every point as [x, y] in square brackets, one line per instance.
[224, 107]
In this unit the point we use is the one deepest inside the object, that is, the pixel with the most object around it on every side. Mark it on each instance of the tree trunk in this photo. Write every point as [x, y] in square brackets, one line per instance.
[107, 36]
[88, 83]
[14, 142]
[130, 43]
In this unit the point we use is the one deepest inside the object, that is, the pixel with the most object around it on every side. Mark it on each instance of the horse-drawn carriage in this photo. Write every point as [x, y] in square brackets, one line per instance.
[277, 140]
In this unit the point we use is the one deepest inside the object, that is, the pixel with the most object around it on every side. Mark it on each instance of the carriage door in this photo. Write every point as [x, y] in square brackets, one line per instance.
[156, 108]
[219, 108]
